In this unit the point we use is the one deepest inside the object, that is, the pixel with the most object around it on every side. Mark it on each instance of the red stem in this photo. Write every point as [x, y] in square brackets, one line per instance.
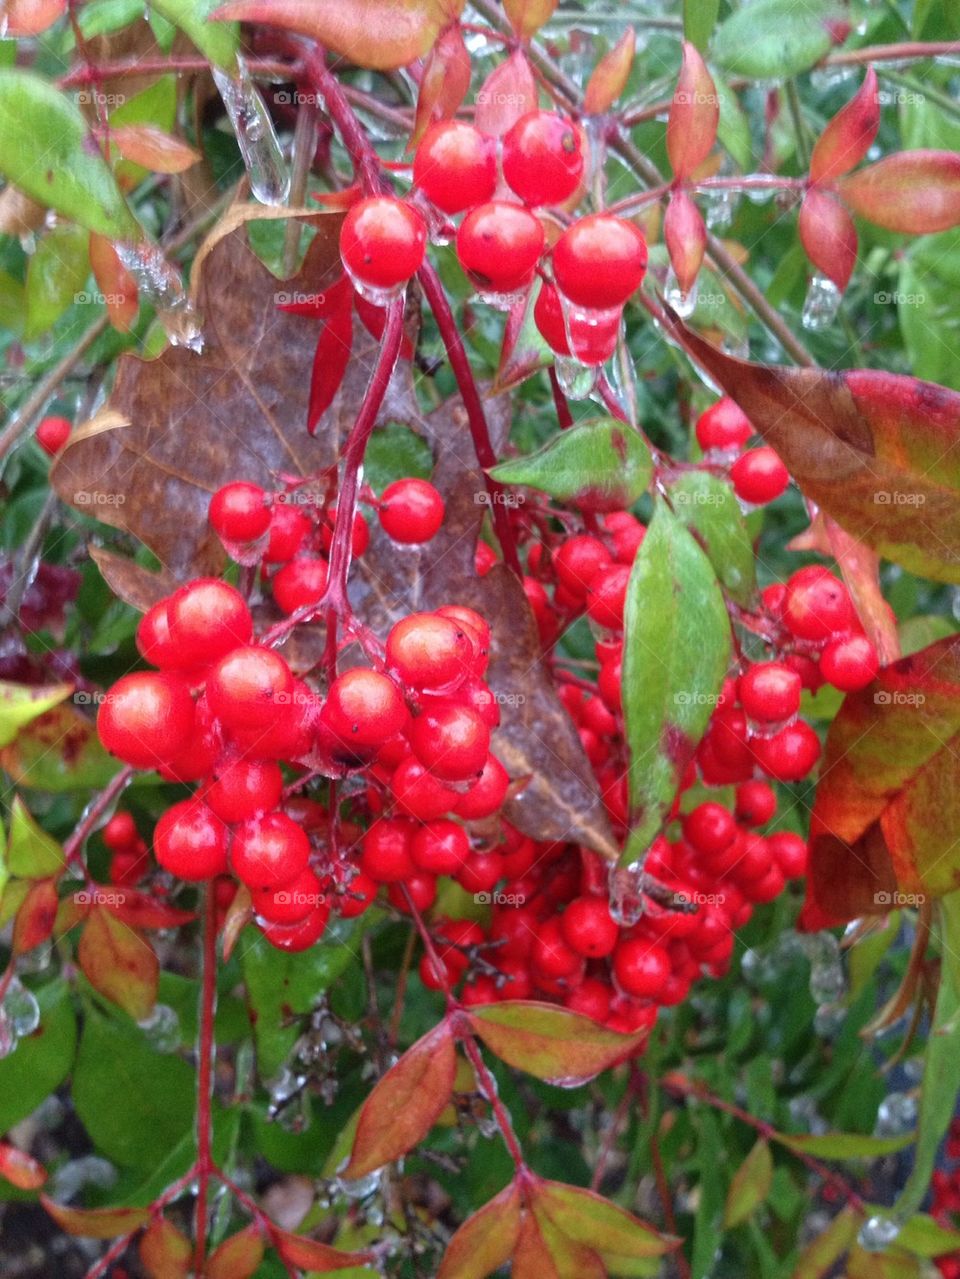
[564, 416]
[207, 1050]
[113, 1253]
[74, 845]
[97, 72]
[488, 1086]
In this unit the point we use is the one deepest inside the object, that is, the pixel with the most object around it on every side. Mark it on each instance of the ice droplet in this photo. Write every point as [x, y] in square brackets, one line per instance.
[828, 1020]
[826, 983]
[576, 380]
[8, 1040]
[21, 1009]
[719, 208]
[626, 894]
[255, 134]
[821, 304]
[160, 284]
[360, 1187]
[683, 303]
[162, 1028]
[896, 1114]
[878, 1233]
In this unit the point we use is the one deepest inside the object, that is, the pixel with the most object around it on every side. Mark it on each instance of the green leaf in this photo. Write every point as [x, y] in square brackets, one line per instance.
[56, 274]
[21, 703]
[699, 19]
[135, 1103]
[709, 508]
[706, 1227]
[819, 1256]
[924, 1238]
[675, 655]
[733, 127]
[45, 150]
[32, 853]
[843, 1145]
[925, 298]
[773, 39]
[12, 305]
[750, 1185]
[41, 1061]
[600, 466]
[218, 41]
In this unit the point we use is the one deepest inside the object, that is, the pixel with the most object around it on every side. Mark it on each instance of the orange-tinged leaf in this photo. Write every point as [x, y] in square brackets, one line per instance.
[96, 1223]
[750, 1185]
[818, 1258]
[528, 16]
[508, 92]
[308, 1254]
[916, 192]
[237, 1257]
[382, 34]
[445, 82]
[154, 149]
[486, 1240]
[609, 77]
[849, 135]
[694, 115]
[532, 1258]
[569, 1258]
[21, 1169]
[588, 1218]
[30, 17]
[686, 237]
[165, 1253]
[828, 236]
[405, 1104]
[115, 283]
[36, 917]
[886, 818]
[876, 451]
[119, 963]
[550, 1042]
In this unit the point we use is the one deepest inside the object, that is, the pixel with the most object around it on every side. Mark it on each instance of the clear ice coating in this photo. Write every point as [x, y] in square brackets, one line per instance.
[161, 285]
[821, 304]
[878, 1233]
[626, 893]
[256, 137]
[719, 208]
[162, 1028]
[896, 1114]
[20, 1009]
[576, 380]
[683, 303]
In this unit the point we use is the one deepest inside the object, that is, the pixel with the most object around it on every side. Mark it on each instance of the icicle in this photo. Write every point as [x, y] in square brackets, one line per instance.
[256, 136]
[821, 304]
[160, 284]
[719, 208]
[626, 893]
[683, 303]
[576, 380]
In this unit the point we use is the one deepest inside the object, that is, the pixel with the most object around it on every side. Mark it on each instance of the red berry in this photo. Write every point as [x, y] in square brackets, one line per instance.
[641, 967]
[542, 161]
[485, 557]
[244, 788]
[289, 529]
[429, 651]
[756, 803]
[190, 841]
[251, 687]
[421, 888]
[481, 872]
[120, 832]
[486, 795]
[450, 740]
[419, 793]
[849, 664]
[359, 538]
[385, 851]
[356, 896]
[759, 476]
[482, 990]
[269, 851]
[477, 629]
[769, 692]
[589, 928]
[440, 848]
[593, 334]
[207, 618]
[146, 718]
[789, 852]
[766, 887]
[790, 754]
[709, 828]
[364, 708]
[600, 261]
[607, 595]
[590, 999]
[578, 562]
[817, 605]
[499, 245]
[382, 242]
[300, 583]
[299, 936]
[723, 426]
[411, 510]
[53, 433]
[153, 637]
[548, 317]
[550, 955]
[239, 512]
[455, 166]
[291, 902]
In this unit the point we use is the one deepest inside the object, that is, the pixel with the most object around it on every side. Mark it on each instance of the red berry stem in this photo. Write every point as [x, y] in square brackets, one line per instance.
[564, 416]
[206, 1049]
[113, 1253]
[73, 847]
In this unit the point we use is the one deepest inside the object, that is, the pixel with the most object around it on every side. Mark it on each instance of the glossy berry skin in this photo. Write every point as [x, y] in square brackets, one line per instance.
[239, 512]
[542, 161]
[709, 828]
[243, 789]
[477, 629]
[120, 832]
[411, 510]
[269, 851]
[817, 605]
[450, 740]
[300, 583]
[607, 596]
[789, 852]
[190, 841]
[250, 687]
[589, 928]
[487, 794]
[289, 903]
[550, 955]
[756, 803]
[590, 999]
[600, 261]
[385, 851]
[770, 692]
[153, 637]
[578, 561]
[300, 936]
[53, 433]
[382, 242]
[288, 530]
[759, 476]
[849, 664]
[791, 754]
[364, 707]
[455, 166]
[207, 618]
[641, 968]
[429, 651]
[548, 317]
[723, 426]
[146, 718]
[498, 245]
[357, 896]
[440, 848]
[359, 538]
[420, 794]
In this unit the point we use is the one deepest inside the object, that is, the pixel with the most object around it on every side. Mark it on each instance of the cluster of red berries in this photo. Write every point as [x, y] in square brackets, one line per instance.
[129, 855]
[596, 262]
[758, 475]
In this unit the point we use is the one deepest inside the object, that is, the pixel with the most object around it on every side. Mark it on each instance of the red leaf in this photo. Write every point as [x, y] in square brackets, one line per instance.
[119, 963]
[115, 283]
[550, 1042]
[153, 149]
[485, 1241]
[528, 16]
[164, 1252]
[508, 92]
[828, 236]
[405, 1104]
[694, 115]
[96, 1223]
[914, 191]
[237, 1257]
[849, 135]
[307, 1254]
[444, 84]
[139, 910]
[31, 17]
[21, 1169]
[587, 1218]
[685, 236]
[609, 77]
[36, 916]
[333, 353]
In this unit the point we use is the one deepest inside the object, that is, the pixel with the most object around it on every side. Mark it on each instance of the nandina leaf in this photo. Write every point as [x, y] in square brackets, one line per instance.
[609, 77]
[774, 39]
[332, 355]
[828, 236]
[912, 191]
[165, 1253]
[533, 1257]
[137, 586]
[308, 1254]
[405, 1104]
[886, 816]
[842, 1145]
[445, 82]
[508, 92]
[849, 135]
[675, 656]
[115, 283]
[694, 115]
[138, 910]
[56, 274]
[818, 1258]
[237, 1257]
[685, 234]
[486, 1240]
[528, 16]
[153, 148]
[875, 450]
[96, 1223]
[523, 351]
[72, 176]
[119, 963]
[36, 916]
[699, 19]
[550, 1042]
[382, 34]
[21, 703]
[708, 506]
[31, 852]
[21, 1169]
[588, 1218]
[750, 1185]
[30, 17]
[60, 751]
[603, 465]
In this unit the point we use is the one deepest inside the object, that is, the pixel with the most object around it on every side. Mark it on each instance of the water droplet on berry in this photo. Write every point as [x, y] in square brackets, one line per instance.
[160, 284]
[821, 304]
[576, 380]
[878, 1233]
[255, 134]
[370, 293]
[162, 1028]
